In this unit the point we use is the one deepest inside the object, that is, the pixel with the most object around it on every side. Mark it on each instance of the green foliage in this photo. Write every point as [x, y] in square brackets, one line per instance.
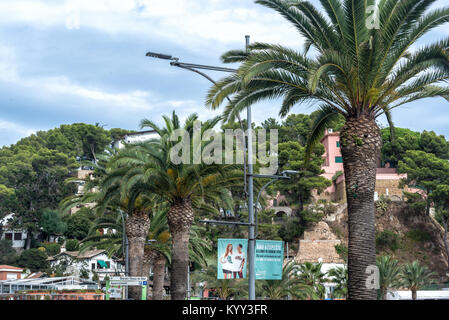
[51, 248]
[79, 224]
[387, 239]
[33, 259]
[382, 203]
[389, 275]
[419, 235]
[51, 222]
[339, 276]
[291, 229]
[269, 231]
[298, 189]
[342, 251]
[414, 276]
[72, 245]
[424, 169]
[8, 255]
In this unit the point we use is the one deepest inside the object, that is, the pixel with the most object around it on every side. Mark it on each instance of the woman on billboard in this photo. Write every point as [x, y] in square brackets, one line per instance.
[227, 262]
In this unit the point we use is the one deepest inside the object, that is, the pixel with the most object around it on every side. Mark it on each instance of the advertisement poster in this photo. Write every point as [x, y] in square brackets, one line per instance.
[232, 258]
[269, 259]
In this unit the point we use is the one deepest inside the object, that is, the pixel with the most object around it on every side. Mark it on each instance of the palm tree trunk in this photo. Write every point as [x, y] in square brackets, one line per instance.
[414, 295]
[137, 225]
[158, 276]
[180, 219]
[360, 146]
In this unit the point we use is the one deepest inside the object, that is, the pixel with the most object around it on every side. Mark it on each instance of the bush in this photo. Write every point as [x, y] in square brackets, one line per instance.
[78, 224]
[268, 231]
[7, 253]
[342, 251]
[51, 248]
[419, 235]
[290, 230]
[34, 259]
[387, 239]
[72, 245]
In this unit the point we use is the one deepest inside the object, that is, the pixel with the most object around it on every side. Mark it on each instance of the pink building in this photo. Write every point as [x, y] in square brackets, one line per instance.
[387, 179]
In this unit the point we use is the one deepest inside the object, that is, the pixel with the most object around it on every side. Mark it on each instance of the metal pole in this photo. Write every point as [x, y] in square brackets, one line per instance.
[188, 282]
[125, 242]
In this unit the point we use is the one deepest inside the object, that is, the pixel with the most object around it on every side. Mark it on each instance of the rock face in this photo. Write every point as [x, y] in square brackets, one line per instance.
[318, 245]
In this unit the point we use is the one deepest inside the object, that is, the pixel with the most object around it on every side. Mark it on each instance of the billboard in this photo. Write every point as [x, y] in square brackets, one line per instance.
[232, 259]
[269, 259]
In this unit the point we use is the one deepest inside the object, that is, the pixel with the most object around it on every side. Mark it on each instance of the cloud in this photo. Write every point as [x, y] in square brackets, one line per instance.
[183, 22]
[10, 132]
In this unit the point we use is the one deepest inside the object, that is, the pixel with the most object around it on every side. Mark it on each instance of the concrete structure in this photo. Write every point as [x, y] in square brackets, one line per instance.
[55, 283]
[91, 261]
[10, 272]
[318, 245]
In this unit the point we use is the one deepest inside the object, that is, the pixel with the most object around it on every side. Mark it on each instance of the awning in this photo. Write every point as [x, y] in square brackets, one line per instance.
[102, 263]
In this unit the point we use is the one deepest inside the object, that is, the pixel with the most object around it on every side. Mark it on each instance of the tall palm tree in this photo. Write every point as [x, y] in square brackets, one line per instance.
[352, 68]
[389, 274]
[185, 186]
[414, 276]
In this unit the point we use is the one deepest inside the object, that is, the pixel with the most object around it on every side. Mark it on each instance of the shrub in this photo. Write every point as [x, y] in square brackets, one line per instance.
[342, 251]
[290, 230]
[33, 259]
[7, 253]
[72, 245]
[419, 235]
[51, 248]
[387, 239]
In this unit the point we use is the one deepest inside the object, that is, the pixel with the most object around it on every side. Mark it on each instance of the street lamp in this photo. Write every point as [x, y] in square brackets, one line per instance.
[248, 173]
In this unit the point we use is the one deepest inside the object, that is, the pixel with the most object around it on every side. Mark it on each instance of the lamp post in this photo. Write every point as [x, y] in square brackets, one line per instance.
[249, 176]
[125, 246]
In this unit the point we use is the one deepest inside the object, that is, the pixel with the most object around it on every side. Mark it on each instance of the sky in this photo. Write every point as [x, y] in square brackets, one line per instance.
[72, 61]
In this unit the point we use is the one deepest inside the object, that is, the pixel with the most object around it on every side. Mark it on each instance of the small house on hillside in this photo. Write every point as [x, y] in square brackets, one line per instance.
[88, 262]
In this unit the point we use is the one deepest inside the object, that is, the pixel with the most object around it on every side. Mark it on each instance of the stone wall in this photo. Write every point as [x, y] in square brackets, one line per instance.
[318, 245]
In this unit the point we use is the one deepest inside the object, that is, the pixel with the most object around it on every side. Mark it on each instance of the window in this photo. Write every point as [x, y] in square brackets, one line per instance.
[338, 160]
[338, 144]
[93, 266]
[8, 236]
[18, 236]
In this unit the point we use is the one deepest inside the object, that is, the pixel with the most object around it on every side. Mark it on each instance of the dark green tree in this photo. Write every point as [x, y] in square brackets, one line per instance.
[8, 255]
[51, 223]
[424, 170]
[34, 259]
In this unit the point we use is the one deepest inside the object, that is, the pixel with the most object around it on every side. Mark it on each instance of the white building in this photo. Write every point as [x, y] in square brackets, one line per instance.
[135, 137]
[91, 261]
[17, 236]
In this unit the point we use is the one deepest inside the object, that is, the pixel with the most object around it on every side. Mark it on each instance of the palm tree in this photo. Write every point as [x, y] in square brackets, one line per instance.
[108, 195]
[389, 275]
[339, 276]
[184, 186]
[310, 275]
[414, 276]
[352, 69]
[289, 285]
